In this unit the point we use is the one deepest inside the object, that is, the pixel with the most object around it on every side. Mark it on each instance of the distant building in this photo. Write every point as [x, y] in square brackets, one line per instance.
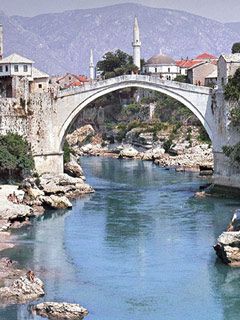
[198, 72]
[185, 64]
[227, 66]
[69, 80]
[162, 66]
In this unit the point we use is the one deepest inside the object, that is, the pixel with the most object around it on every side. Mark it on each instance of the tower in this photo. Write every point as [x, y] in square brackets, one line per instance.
[91, 66]
[1, 41]
[136, 44]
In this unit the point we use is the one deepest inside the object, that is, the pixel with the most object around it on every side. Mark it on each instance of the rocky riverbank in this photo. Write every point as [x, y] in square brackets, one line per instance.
[20, 203]
[181, 154]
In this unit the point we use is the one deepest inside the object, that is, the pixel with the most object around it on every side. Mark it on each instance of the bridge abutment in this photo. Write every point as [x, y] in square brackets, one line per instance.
[49, 163]
[226, 173]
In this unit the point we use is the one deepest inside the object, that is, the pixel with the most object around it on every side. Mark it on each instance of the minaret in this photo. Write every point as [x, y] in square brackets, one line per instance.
[91, 66]
[136, 44]
[1, 41]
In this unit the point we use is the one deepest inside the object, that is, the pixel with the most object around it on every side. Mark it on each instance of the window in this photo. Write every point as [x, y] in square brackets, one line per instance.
[25, 68]
[155, 70]
[16, 68]
[169, 70]
[40, 86]
[1, 69]
[6, 68]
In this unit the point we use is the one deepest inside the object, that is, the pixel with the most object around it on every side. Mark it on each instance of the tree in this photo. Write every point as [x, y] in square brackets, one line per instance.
[236, 47]
[116, 63]
[15, 155]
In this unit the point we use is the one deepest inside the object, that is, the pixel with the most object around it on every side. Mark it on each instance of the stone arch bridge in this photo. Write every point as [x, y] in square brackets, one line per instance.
[50, 115]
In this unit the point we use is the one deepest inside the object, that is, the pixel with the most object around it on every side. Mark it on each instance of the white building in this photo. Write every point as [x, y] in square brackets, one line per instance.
[13, 70]
[15, 65]
[163, 66]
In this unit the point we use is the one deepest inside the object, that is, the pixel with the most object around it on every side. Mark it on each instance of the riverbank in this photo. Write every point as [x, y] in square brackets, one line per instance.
[182, 153]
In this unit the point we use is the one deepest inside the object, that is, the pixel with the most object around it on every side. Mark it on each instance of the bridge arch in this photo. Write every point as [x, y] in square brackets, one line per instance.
[181, 94]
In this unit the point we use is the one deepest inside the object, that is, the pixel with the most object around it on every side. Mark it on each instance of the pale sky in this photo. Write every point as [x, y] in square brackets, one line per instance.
[222, 10]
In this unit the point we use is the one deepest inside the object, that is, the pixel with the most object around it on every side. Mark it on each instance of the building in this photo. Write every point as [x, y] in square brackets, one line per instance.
[17, 74]
[185, 64]
[227, 66]
[162, 66]
[198, 72]
[69, 80]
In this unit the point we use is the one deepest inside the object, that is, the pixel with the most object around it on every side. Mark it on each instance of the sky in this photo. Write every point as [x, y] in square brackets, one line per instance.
[221, 10]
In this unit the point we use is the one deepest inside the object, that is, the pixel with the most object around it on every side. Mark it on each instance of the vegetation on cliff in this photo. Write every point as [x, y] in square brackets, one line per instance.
[15, 156]
[232, 94]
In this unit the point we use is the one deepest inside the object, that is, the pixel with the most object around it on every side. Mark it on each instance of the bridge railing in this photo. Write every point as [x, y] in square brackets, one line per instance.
[93, 85]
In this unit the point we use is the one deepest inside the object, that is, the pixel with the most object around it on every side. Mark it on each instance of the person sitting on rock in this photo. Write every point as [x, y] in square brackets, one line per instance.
[30, 275]
[234, 225]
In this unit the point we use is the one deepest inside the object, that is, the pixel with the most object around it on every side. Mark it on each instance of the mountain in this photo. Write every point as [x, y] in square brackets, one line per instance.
[61, 42]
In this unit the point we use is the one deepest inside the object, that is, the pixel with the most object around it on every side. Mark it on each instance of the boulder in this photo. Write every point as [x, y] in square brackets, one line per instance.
[228, 243]
[128, 152]
[63, 185]
[56, 202]
[81, 135]
[55, 310]
[22, 290]
[73, 169]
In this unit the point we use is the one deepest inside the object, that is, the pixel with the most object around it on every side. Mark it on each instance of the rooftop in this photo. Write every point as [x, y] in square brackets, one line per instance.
[15, 58]
[233, 57]
[37, 74]
[205, 56]
[161, 59]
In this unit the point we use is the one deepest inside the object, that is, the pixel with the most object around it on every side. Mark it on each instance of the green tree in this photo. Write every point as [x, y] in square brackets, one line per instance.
[236, 47]
[15, 155]
[116, 63]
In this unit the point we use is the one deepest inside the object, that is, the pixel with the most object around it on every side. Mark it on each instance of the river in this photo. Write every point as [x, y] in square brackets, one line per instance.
[139, 248]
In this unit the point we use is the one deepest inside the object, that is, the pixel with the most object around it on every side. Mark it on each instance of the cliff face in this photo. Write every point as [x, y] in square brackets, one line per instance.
[61, 42]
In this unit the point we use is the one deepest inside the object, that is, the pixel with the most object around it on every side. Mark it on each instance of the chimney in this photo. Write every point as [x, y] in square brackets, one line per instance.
[1, 41]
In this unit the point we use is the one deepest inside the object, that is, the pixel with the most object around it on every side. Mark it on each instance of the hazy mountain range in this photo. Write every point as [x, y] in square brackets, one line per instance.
[61, 42]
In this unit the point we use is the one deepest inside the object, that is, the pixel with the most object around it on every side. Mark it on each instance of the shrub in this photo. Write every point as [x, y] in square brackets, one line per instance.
[15, 155]
[66, 152]
[233, 152]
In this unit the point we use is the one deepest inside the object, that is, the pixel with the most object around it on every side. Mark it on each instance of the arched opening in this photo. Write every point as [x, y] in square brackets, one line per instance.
[166, 91]
[165, 110]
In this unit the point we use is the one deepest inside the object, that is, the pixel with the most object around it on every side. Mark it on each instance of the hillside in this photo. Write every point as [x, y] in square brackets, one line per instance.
[61, 42]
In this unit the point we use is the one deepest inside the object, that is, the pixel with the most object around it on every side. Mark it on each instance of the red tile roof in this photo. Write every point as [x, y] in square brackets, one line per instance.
[205, 56]
[186, 63]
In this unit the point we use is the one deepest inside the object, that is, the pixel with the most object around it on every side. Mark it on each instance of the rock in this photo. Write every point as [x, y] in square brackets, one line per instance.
[55, 310]
[13, 211]
[128, 152]
[81, 135]
[22, 290]
[63, 184]
[228, 243]
[56, 202]
[34, 193]
[153, 154]
[73, 169]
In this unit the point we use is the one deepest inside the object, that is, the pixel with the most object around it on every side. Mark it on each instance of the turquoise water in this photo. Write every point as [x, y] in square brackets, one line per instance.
[139, 248]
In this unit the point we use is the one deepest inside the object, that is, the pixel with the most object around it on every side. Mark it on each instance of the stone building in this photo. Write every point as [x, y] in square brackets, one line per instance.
[185, 64]
[227, 66]
[162, 66]
[69, 80]
[15, 71]
[198, 72]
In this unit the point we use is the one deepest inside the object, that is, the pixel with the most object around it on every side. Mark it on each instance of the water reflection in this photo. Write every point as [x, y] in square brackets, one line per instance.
[141, 246]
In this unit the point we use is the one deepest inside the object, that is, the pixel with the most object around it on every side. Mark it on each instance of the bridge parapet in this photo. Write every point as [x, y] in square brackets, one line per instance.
[96, 85]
